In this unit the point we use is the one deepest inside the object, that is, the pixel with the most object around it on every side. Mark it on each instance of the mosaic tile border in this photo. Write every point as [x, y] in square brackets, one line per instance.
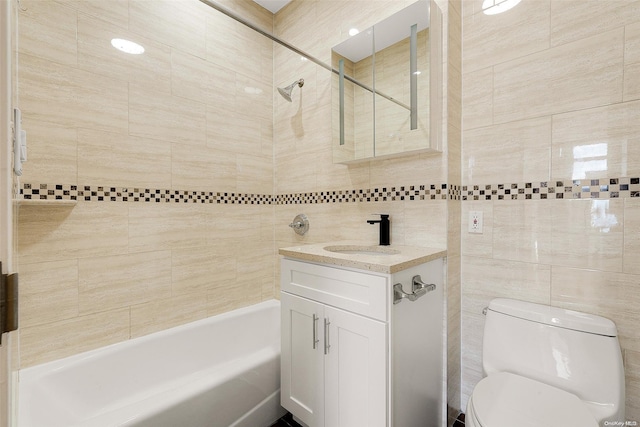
[121, 194]
[608, 188]
[381, 194]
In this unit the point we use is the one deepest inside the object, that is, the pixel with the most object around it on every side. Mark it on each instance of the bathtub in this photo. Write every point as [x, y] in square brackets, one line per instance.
[217, 372]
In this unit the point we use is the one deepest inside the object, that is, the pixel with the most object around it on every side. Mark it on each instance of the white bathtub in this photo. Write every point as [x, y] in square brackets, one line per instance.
[217, 372]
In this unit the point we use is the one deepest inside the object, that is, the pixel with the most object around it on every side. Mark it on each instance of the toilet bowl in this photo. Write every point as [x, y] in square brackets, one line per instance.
[546, 366]
[507, 400]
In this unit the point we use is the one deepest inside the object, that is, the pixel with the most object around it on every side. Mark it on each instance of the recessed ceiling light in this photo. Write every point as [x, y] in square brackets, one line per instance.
[353, 32]
[127, 46]
[493, 7]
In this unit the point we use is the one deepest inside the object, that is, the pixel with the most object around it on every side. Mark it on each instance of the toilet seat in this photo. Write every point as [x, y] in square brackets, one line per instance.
[504, 400]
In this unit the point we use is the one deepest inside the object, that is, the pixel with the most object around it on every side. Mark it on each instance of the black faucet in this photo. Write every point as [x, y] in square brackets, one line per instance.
[384, 228]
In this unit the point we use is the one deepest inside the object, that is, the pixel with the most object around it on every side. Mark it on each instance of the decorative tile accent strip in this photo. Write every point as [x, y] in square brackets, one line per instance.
[118, 194]
[607, 188]
[244, 199]
[383, 194]
[89, 193]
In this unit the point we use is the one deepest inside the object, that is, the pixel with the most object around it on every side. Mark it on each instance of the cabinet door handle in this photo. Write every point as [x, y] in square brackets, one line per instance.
[326, 336]
[315, 331]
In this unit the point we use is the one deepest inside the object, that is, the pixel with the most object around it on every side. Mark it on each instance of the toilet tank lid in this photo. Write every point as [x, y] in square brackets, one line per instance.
[554, 316]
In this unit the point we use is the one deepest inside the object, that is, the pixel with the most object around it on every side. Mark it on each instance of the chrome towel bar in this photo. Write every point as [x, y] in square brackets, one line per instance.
[418, 287]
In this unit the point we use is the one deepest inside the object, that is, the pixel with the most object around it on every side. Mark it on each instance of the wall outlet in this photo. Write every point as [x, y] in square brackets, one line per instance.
[475, 222]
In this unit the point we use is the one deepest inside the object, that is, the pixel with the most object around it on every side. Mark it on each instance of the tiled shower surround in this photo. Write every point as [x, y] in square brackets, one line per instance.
[188, 166]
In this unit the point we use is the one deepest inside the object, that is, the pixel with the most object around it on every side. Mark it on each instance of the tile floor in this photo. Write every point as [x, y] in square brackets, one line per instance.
[459, 421]
[286, 421]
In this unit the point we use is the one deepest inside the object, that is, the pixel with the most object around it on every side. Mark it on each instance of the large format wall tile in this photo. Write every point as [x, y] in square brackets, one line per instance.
[201, 80]
[116, 159]
[631, 236]
[522, 231]
[578, 19]
[494, 39]
[81, 98]
[588, 234]
[96, 55]
[582, 74]
[59, 233]
[612, 295]
[202, 168]
[238, 48]
[168, 312]
[115, 11]
[631, 79]
[597, 143]
[201, 269]
[51, 33]
[478, 98]
[471, 351]
[179, 23]
[486, 279]
[512, 152]
[54, 148]
[157, 227]
[165, 117]
[48, 292]
[56, 340]
[632, 62]
[632, 370]
[113, 282]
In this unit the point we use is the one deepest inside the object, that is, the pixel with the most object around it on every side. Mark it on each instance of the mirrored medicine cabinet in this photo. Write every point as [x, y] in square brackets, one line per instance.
[387, 88]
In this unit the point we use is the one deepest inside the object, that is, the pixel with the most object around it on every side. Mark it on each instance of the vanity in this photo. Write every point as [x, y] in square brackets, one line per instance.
[362, 335]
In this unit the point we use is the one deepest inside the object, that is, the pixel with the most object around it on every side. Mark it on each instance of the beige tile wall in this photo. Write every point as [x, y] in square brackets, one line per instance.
[454, 209]
[304, 154]
[178, 117]
[550, 93]
[181, 118]
[300, 132]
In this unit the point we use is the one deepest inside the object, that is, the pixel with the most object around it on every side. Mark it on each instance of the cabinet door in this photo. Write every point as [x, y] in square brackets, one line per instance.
[355, 370]
[302, 370]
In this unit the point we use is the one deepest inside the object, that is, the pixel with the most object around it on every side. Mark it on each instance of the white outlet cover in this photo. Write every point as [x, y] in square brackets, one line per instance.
[475, 222]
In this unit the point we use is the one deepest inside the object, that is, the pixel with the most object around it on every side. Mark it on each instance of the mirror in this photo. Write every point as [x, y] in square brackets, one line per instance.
[387, 87]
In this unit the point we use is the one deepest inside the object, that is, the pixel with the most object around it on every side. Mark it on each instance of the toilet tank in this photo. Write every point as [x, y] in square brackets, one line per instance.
[574, 351]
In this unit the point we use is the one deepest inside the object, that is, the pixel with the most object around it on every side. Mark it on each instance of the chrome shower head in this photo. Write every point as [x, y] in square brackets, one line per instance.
[286, 92]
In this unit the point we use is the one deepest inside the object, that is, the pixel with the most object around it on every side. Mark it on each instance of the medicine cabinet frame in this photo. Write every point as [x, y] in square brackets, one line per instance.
[388, 91]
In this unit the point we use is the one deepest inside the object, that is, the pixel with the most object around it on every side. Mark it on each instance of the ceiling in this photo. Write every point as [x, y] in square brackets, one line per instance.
[273, 5]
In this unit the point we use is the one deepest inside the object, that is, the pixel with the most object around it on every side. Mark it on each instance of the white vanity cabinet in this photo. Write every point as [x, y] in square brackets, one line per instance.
[340, 382]
[344, 347]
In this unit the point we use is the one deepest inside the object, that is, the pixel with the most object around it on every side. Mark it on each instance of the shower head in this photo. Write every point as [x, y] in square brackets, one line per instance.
[286, 92]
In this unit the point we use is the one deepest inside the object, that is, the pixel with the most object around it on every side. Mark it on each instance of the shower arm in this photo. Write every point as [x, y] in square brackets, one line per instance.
[292, 48]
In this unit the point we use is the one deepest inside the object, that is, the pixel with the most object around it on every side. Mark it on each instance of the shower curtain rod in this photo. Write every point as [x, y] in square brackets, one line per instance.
[270, 36]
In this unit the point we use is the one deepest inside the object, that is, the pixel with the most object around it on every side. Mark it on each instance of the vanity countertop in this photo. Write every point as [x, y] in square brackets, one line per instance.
[406, 256]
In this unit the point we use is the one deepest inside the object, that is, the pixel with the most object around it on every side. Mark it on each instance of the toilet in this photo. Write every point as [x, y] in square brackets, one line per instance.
[545, 366]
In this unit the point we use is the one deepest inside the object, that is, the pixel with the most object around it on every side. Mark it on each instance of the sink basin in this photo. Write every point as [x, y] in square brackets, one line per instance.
[362, 250]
